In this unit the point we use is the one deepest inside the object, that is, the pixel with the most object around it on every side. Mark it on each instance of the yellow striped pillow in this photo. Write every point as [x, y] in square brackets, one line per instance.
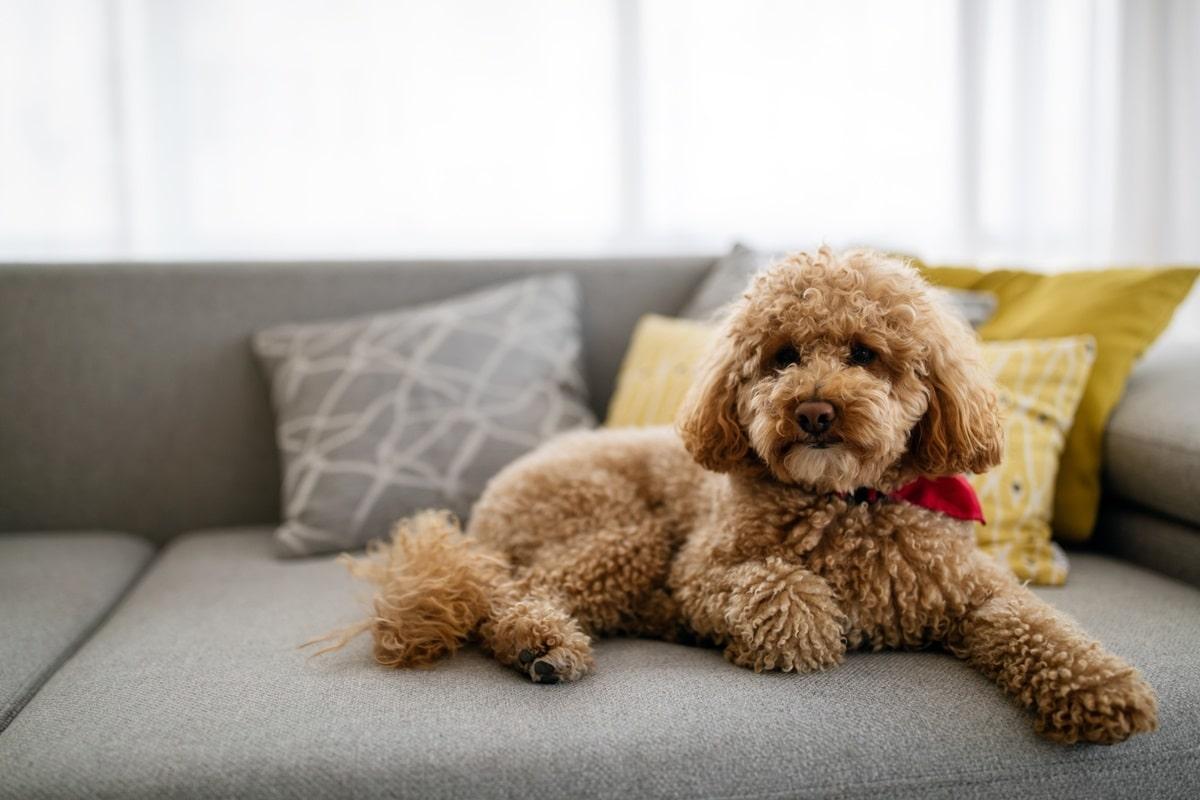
[1041, 383]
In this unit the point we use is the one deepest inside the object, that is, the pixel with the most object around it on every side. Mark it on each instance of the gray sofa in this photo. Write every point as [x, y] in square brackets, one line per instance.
[148, 635]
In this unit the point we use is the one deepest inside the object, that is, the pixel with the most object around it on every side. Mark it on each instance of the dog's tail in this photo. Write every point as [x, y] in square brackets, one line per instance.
[434, 587]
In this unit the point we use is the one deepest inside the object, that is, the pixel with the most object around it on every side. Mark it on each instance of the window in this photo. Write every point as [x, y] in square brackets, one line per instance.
[1041, 133]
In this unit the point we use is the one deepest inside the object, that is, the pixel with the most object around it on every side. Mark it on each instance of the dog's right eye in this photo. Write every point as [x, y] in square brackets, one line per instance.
[786, 356]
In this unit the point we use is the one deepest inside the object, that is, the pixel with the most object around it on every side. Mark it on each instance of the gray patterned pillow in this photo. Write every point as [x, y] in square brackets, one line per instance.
[385, 415]
[729, 276]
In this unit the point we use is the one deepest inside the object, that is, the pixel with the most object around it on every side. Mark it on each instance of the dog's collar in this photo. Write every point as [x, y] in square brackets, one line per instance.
[951, 495]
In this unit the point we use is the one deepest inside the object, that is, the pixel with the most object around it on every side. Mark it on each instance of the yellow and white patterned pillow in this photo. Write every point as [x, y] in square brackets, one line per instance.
[1041, 383]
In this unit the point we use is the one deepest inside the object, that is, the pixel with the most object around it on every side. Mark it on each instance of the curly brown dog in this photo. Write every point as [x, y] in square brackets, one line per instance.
[833, 373]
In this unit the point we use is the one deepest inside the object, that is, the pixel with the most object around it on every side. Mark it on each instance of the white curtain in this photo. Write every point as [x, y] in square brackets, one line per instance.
[1083, 120]
[1039, 133]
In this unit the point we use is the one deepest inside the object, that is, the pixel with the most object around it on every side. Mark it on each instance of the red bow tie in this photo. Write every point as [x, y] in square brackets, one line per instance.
[950, 495]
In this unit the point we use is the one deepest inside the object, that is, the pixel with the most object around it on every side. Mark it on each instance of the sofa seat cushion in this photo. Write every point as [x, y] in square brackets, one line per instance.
[1152, 443]
[54, 589]
[196, 688]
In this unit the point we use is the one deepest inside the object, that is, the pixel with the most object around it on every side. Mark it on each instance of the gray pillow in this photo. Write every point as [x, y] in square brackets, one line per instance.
[729, 277]
[726, 281]
[381, 416]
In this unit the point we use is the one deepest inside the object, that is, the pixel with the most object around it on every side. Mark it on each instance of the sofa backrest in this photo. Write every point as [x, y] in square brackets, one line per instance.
[130, 399]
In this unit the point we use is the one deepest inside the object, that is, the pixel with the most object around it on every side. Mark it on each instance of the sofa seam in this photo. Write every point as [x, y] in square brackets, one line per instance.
[1138, 506]
[1144, 441]
[25, 695]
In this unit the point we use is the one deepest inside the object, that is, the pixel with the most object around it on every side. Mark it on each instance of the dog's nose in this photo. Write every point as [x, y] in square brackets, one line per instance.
[815, 416]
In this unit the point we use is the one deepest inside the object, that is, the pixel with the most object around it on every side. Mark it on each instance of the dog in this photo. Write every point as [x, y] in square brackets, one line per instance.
[778, 521]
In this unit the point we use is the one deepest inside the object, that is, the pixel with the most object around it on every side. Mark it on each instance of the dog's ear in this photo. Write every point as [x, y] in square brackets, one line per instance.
[708, 419]
[962, 430]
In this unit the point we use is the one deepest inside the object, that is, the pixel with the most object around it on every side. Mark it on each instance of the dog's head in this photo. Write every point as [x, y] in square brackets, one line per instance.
[834, 368]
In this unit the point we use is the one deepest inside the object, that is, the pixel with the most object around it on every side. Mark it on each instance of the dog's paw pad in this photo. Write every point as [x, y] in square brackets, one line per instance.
[540, 669]
[544, 672]
[555, 664]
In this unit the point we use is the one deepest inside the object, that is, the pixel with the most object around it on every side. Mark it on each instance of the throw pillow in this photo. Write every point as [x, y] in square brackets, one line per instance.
[384, 415]
[1123, 309]
[657, 370]
[726, 281]
[728, 278]
[1041, 383]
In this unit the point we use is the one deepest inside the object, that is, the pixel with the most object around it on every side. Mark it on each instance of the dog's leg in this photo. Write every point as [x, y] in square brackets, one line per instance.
[1077, 690]
[769, 613]
[608, 581]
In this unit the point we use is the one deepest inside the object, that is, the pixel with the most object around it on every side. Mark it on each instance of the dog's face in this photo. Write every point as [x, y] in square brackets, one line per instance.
[833, 369]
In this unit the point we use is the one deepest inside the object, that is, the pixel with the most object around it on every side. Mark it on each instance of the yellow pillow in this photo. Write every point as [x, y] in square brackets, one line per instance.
[1040, 386]
[657, 370]
[1041, 382]
[1124, 309]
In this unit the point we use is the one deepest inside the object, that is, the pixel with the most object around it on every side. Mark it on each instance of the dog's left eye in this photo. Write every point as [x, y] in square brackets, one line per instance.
[786, 356]
[861, 354]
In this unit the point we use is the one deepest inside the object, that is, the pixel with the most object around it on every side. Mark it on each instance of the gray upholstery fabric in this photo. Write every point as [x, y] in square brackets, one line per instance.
[195, 688]
[1143, 537]
[728, 278]
[726, 281]
[385, 415]
[131, 389]
[54, 588]
[1152, 444]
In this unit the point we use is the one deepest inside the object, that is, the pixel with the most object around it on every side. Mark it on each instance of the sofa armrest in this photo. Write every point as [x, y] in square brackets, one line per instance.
[1167, 546]
[1152, 443]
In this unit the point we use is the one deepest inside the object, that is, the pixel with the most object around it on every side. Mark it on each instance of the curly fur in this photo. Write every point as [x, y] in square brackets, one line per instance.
[434, 590]
[736, 530]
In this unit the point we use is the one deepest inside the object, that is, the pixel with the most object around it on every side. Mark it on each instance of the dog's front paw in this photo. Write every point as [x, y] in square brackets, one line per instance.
[786, 619]
[1104, 714]
[539, 639]
[568, 661]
